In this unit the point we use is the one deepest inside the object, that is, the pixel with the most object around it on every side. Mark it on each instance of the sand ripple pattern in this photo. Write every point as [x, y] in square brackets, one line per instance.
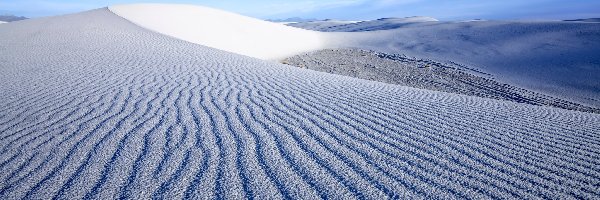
[95, 107]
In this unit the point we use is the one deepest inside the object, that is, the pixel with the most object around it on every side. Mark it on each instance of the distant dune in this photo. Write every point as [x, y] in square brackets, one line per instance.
[372, 25]
[322, 25]
[425, 74]
[556, 58]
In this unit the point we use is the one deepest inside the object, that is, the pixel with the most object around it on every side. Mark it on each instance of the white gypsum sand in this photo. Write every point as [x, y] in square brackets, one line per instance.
[554, 58]
[95, 107]
[222, 30]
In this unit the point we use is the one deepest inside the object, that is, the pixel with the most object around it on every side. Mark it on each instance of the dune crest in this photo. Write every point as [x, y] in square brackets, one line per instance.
[222, 30]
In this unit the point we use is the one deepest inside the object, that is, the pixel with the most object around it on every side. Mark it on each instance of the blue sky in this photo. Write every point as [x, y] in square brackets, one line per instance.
[344, 9]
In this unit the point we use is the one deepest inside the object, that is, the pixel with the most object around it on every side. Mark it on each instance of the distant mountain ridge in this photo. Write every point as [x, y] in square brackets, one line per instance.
[584, 20]
[11, 18]
[293, 19]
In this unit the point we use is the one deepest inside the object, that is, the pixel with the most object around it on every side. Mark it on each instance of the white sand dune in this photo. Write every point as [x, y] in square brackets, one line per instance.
[95, 107]
[222, 30]
[554, 58]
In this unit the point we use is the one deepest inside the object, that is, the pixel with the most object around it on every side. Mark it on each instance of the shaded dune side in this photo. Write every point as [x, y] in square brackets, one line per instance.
[424, 74]
[554, 58]
[96, 107]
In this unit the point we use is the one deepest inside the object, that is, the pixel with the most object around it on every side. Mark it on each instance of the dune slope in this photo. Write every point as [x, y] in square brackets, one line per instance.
[556, 58]
[559, 59]
[222, 30]
[93, 106]
[425, 74]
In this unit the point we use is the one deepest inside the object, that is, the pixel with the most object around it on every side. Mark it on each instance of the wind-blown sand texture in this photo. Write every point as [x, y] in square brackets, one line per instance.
[93, 106]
